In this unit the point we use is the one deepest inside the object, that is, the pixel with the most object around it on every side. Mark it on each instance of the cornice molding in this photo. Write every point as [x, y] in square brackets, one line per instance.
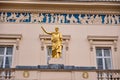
[48, 37]
[111, 3]
[55, 10]
[55, 7]
[102, 38]
[10, 36]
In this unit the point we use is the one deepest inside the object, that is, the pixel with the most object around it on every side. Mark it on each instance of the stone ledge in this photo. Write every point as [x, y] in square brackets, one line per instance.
[56, 67]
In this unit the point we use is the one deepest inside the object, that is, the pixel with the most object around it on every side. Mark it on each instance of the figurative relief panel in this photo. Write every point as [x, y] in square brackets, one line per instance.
[14, 17]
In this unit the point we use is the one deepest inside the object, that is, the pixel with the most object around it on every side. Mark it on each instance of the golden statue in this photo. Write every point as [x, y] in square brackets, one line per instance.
[56, 40]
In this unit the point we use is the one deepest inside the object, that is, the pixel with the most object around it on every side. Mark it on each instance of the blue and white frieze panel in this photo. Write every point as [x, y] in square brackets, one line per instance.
[58, 18]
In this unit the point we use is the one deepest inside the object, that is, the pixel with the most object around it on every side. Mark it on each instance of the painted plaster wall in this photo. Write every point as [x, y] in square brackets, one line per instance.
[79, 50]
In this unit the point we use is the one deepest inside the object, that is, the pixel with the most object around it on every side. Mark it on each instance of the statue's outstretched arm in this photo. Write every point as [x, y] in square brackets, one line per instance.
[46, 31]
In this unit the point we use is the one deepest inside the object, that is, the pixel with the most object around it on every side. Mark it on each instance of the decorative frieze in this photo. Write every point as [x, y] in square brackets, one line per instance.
[54, 18]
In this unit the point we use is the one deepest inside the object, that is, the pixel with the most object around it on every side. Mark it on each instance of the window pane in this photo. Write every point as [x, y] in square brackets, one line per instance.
[2, 50]
[107, 63]
[49, 50]
[9, 50]
[1, 62]
[8, 62]
[99, 52]
[100, 63]
[106, 52]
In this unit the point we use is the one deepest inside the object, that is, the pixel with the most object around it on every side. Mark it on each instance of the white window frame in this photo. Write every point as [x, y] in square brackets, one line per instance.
[5, 55]
[103, 57]
[11, 40]
[102, 41]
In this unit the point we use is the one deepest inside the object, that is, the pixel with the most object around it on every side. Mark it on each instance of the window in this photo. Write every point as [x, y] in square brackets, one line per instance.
[46, 47]
[49, 51]
[6, 56]
[103, 57]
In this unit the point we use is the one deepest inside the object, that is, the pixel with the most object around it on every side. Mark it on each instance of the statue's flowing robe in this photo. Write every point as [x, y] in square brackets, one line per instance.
[56, 44]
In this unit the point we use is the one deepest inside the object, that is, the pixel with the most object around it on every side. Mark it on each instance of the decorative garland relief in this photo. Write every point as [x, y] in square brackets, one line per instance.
[16, 17]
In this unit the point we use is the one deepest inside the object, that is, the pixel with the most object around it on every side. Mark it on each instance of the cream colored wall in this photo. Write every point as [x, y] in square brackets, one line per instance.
[79, 53]
[53, 75]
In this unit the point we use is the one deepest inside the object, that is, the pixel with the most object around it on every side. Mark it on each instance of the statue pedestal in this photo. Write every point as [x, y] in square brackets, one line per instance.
[56, 61]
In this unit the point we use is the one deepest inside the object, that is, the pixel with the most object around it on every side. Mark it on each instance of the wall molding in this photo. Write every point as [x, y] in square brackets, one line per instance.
[102, 40]
[8, 39]
[10, 36]
[46, 39]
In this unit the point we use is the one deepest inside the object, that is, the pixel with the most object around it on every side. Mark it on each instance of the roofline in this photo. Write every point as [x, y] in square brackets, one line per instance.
[101, 3]
[60, 7]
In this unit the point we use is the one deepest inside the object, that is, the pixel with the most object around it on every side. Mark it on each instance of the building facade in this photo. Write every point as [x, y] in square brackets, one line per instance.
[91, 40]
